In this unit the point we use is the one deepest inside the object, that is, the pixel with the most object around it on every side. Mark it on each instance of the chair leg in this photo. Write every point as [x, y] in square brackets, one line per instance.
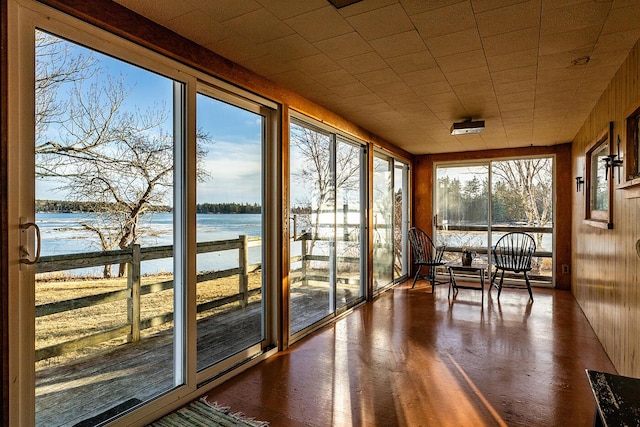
[500, 285]
[415, 278]
[526, 278]
[432, 277]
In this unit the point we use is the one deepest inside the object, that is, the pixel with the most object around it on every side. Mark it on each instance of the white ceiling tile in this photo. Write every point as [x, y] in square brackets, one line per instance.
[238, 48]
[584, 38]
[290, 48]
[222, 10]
[285, 9]
[260, 26]
[510, 18]
[320, 24]
[344, 46]
[480, 6]
[511, 42]
[336, 78]
[378, 77]
[462, 61]
[574, 18]
[398, 44]
[420, 77]
[363, 63]
[315, 64]
[200, 28]
[445, 20]
[412, 62]
[468, 76]
[449, 44]
[508, 61]
[381, 22]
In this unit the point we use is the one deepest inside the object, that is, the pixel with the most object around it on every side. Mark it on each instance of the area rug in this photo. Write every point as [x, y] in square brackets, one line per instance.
[203, 413]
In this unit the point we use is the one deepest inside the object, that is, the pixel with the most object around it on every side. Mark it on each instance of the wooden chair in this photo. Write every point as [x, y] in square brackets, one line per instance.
[425, 254]
[513, 253]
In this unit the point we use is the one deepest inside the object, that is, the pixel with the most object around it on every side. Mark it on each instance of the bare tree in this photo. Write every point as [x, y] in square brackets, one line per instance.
[315, 171]
[530, 180]
[97, 150]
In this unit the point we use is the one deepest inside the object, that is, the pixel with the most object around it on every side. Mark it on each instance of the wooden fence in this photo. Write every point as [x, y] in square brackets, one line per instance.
[135, 290]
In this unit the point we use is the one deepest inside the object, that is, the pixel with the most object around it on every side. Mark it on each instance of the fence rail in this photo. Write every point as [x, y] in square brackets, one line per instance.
[132, 257]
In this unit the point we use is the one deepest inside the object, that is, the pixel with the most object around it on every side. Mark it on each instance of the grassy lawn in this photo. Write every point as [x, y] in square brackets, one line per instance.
[70, 325]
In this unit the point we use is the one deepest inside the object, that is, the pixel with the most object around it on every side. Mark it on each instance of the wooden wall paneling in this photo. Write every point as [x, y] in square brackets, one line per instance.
[4, 275]
[606, 286]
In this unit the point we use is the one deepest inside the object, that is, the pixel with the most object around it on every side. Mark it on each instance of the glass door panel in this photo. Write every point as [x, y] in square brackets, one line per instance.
[105, 144]
[462, 209]
[349, 241]
[522, 200]
[383, 206]
[400, 220]
[312, 195]
[229, 230]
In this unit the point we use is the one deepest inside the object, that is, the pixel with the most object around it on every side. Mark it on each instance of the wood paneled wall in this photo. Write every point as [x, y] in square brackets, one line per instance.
[423, 196]
[605, 264]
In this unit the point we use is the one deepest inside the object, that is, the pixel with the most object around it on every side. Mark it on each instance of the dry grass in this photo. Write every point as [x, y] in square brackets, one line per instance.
[70, 325]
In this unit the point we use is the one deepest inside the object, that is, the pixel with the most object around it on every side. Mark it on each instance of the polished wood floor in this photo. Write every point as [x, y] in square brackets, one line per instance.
[411, 358]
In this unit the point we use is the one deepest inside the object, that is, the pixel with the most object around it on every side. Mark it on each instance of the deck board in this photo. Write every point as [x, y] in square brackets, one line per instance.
[143, 370]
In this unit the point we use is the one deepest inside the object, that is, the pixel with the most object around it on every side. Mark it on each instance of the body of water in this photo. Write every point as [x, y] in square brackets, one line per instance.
[62, 233]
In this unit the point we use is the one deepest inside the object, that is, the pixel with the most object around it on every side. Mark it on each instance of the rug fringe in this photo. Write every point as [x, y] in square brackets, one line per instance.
[240, 416]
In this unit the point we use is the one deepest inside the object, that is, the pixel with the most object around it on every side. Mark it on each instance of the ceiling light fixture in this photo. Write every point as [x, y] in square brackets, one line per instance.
[342, 3]
[467, 126]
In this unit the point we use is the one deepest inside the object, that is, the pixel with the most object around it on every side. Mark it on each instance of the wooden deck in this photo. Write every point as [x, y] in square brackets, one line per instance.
[70, 393]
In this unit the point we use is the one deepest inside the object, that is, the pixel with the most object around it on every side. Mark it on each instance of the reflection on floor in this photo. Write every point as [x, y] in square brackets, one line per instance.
[411, 358]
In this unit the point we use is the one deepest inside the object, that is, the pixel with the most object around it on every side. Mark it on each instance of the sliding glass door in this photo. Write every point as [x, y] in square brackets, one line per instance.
[229, 291]
[138, 222]
[106, 286]
[326, 197]
[476, 204]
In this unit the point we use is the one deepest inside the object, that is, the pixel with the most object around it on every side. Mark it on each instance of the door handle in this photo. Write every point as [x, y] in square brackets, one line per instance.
[24, 248]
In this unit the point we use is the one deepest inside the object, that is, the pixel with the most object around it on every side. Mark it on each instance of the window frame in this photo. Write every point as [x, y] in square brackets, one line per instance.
[595, 217]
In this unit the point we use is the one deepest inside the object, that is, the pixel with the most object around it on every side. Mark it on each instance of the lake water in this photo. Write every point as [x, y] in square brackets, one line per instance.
[61, 233]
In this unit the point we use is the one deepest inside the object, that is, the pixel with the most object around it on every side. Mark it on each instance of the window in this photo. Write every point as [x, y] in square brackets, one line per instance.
[598, 181]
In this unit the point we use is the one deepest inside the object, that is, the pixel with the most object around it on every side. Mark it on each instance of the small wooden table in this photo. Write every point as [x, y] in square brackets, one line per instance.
[617, 399]
[474, 267]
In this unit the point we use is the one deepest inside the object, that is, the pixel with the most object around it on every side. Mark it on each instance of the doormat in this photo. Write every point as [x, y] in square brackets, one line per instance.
[206, 414]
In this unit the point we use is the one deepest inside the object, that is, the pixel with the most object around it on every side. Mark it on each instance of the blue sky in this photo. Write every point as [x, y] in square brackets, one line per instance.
[233, 159]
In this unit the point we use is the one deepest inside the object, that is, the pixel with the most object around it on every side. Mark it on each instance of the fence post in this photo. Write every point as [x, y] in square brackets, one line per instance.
[133, 303]
[303, 257]
[244, 270]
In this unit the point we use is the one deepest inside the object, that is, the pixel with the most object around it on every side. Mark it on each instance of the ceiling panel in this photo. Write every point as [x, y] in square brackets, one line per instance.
[405, 69]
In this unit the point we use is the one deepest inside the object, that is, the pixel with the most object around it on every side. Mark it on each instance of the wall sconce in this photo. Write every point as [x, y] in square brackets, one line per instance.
[579, 183]
[613, 161]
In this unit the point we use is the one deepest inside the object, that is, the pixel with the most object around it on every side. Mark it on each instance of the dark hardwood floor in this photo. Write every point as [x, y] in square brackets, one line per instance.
[411, 358]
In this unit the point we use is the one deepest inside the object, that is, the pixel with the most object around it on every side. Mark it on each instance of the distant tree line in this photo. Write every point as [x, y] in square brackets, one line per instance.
[228, 208]
[70, 206]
